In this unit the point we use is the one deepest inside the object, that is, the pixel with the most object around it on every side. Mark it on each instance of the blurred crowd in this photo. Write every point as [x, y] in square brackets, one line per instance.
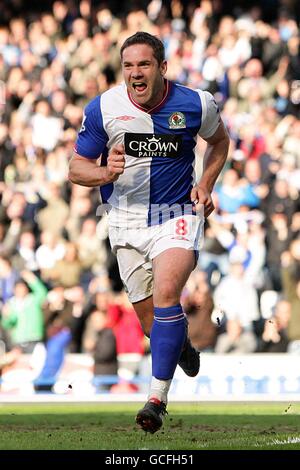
[59, 282]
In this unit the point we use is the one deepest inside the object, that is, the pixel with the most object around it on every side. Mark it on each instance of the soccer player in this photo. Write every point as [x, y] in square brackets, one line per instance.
[145, 131]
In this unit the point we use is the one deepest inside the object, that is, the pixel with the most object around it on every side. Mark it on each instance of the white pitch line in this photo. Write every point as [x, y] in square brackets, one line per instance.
[274, 442]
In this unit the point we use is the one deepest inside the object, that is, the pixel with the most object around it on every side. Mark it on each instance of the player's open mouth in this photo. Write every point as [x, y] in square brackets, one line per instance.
[139, 87]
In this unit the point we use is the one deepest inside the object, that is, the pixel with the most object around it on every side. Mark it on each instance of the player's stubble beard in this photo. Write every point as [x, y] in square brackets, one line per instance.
[154, 93]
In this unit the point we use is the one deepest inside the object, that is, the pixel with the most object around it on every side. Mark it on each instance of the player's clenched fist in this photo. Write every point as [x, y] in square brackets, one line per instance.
[116, 162]
[202, 200]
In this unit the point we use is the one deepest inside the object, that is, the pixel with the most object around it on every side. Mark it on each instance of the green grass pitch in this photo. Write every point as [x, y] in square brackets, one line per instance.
[189, 426]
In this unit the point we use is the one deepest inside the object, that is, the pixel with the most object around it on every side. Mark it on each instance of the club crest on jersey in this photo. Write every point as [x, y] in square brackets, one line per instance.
[177, 120]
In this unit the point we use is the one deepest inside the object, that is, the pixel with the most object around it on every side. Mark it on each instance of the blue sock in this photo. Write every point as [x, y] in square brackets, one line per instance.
[166, 340]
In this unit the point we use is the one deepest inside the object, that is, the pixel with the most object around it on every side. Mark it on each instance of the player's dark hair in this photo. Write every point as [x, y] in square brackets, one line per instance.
[145, 38]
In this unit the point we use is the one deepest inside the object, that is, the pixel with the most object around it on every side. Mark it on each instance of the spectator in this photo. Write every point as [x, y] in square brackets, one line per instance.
[279, 237]
[66, 272]
[275, 334]
[25, 258]
[235, 340]
[23, 314]
[61, 311]
[49, 252]
[8, 279]
[102, 347]
[54, 216]
[234, 193]
[91, 248]
[198, 304]
[291, 288]
[46, 129]
[238, 300]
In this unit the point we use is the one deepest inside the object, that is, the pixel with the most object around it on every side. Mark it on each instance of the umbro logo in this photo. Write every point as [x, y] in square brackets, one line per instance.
[125, 118]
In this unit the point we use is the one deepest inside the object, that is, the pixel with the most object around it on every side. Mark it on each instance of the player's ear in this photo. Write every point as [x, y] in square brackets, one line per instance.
[163, 68]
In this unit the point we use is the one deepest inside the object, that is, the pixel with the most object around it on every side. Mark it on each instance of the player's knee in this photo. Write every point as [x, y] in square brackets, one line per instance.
[166, 294]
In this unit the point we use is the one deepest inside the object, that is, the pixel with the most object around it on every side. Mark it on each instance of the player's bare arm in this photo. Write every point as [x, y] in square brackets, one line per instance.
[87, 172]
[214, 160]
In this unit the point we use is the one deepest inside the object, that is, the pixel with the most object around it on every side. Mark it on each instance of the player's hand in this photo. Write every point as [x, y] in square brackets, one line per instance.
[202, 200]
[116, 162]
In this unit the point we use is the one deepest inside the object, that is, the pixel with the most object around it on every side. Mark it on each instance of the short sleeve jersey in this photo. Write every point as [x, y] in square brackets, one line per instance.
[159, 147]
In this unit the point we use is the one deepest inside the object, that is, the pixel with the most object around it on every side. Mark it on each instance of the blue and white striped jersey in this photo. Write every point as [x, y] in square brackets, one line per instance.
[159, 147]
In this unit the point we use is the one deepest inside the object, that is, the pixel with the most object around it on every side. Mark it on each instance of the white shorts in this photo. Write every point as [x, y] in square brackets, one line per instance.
[135, 249]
